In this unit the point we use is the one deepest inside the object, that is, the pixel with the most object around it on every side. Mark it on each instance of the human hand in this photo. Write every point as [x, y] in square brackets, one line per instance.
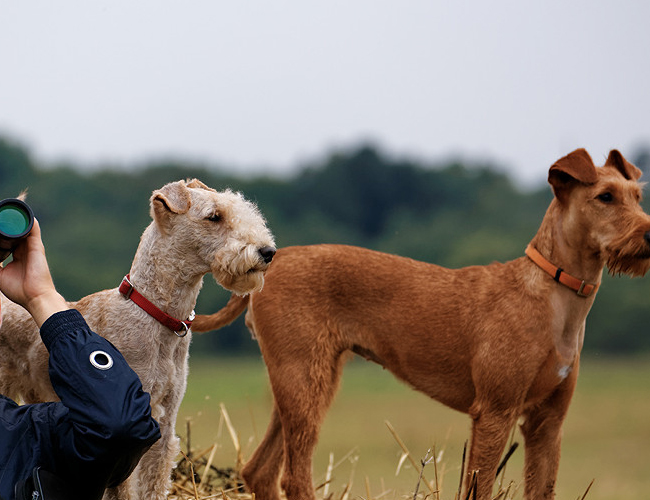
[26, 280]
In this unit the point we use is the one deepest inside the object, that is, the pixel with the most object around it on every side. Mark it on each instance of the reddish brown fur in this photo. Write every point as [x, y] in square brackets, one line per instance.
[498, 342]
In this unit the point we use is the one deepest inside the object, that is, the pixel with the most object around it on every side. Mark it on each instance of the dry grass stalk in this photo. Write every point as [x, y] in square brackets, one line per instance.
[462, 471]
[346, 492]
[350, 457]
[435, 472]
[502, 466]
[588, 488]
[204, 477]
[473, 486]
[509, 493]
[408, 454]
[328, 475]
[233, 435]
[368, 495]
[197, 478]
[426, 460]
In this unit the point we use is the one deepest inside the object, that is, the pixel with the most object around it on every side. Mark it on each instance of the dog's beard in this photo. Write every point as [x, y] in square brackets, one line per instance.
[240, 270]
[241, 284]
[631, 266]
[631, 257]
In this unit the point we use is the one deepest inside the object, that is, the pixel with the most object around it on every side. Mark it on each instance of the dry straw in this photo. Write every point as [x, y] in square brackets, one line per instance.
[196, 477]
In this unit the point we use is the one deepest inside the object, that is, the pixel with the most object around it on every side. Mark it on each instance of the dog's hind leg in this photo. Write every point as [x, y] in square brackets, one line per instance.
[262, 471]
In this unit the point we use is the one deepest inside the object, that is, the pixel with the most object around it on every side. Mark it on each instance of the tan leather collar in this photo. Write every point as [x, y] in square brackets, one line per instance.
[579, 286]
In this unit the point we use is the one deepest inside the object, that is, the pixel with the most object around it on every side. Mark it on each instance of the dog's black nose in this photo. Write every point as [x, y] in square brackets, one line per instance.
[267, 253]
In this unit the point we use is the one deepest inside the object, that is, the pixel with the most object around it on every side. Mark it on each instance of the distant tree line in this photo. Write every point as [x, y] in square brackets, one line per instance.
[453, 214]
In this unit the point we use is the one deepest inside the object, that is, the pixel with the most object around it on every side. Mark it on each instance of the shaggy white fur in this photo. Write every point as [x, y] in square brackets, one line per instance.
[195, 230]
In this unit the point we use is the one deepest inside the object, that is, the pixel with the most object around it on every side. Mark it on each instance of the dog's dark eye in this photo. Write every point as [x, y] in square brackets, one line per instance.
[214, 218]
[606, 197]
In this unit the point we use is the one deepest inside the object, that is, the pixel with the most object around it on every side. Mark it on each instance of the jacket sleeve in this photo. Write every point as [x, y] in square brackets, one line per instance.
[108, 423]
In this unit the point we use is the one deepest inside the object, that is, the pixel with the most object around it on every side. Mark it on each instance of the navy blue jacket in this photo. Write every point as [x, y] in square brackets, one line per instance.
[95, 436]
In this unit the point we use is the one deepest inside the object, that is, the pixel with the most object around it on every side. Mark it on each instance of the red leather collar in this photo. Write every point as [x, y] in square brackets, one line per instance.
[180, 328]
[579, 286]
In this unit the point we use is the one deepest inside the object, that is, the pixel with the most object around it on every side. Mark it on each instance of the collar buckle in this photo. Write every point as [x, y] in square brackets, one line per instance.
[127, 287]
[581, 287]
[581, 292]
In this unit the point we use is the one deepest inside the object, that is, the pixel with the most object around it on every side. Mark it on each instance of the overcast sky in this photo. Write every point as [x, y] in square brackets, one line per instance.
[256, 85]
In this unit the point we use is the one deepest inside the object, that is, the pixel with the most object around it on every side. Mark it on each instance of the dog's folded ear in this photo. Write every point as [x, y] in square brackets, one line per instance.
[616, 160]
[173, 198]
[195, 183]
[575, 168]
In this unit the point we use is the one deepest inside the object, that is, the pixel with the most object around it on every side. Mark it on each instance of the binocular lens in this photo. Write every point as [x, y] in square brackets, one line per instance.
[16, 221]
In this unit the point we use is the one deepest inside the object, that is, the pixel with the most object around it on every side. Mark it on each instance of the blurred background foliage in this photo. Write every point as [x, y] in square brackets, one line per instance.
[453, 214]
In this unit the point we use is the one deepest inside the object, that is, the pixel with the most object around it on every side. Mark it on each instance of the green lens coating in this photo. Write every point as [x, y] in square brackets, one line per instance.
[14, 221]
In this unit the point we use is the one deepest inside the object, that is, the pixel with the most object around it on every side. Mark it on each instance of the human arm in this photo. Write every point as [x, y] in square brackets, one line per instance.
[26, 280]
[94, 437]
[103, 424]
[109, 424]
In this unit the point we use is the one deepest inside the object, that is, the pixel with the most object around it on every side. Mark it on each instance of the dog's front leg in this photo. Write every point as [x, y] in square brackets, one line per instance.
[153, 473]
[542, 433]
[490, 432]
[120, 492]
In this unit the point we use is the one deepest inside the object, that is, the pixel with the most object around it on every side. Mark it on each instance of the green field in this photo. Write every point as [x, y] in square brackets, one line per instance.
[606, 435]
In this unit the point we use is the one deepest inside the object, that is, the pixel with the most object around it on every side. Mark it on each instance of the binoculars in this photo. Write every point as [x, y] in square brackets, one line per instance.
[16, 221]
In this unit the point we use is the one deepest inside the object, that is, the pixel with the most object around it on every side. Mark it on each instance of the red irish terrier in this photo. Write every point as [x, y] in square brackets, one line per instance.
[498, 342]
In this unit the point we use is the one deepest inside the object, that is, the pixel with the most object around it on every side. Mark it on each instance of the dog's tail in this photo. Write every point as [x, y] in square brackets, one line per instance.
[235, 306]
